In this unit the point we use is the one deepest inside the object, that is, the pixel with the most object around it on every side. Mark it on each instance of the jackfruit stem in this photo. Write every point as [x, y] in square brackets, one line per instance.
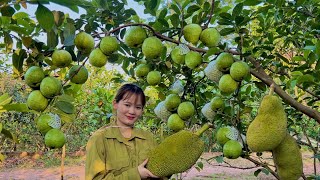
[203, 129]
[271, 89]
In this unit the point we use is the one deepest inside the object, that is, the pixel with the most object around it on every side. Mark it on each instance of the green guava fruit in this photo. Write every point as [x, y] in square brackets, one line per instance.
[135, 36]
[210, 37]
[227, 85]
[97, 58]
[239, 70]
[186, 110]
[192, 32]
[84, 42]
[109, 45]
[154, 78]
[175, 123]
[172, 102]
[142, 70]
[34, 76]
[36, 101]
[50, 87]
[193, 59]
[232, 149]
[54, 138]
[61, 58]
[78, 76]
[177, 56]
[152, 47]
[224, 61]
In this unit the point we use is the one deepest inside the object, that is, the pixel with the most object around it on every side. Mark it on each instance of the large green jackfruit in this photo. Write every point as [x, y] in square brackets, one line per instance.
[268, 129]
[177, 153]
[288, 160]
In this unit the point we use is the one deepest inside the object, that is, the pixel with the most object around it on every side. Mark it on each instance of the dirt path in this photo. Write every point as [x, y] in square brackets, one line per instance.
[214, 170]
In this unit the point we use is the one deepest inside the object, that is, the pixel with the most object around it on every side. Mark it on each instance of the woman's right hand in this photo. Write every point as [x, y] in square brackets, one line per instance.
[144, 172]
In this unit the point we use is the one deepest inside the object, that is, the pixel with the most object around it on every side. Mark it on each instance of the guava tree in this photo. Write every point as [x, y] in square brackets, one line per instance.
[215, 59]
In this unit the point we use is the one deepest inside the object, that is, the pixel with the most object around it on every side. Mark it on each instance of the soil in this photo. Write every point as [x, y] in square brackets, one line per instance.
[29, 167]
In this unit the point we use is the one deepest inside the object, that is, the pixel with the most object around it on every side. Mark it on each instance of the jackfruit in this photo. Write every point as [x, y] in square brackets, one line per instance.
[177, 153]
[268, 129]
[162, 112]
[212, 72]
[288, 160]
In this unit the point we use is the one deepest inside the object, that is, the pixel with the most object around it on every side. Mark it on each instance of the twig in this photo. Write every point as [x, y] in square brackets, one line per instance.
[211, 13]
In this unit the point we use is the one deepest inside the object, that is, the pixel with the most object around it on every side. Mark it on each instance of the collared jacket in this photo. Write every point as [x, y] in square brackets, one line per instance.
[112, 157]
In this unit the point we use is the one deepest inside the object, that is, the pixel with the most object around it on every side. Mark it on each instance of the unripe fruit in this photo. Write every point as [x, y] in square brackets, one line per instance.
[186, 110]
[78, 76]
[97, 58]
[135, 36]
[210, 37]
[232, 149]
[175, 123]
[193, 59]
[61, 58]
[191, 33]
[109, 45]
[153, 78]
[34, 76]
[152, 47]
[84, 42]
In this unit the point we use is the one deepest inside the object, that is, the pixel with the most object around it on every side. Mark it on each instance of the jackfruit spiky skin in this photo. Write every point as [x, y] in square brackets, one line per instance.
[288, 160]
[177, 153]
[212, 72]
[162, 112]
[268, 129]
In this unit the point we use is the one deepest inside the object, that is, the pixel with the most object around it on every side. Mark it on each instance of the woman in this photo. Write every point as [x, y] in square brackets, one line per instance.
[119, 150]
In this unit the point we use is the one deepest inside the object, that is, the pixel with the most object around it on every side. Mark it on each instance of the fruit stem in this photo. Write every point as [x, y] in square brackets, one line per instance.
[271, 89]
[203, 129]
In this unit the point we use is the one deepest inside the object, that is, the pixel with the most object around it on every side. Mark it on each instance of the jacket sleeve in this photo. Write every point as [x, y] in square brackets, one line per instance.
[96, 167]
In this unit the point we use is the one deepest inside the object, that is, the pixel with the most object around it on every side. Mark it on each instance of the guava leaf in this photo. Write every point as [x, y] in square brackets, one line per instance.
[5, 99]
[64, 117]
[18, 107]
[17, 60]
[65, 106]
[0, 127]
[45, 17]
[10, 135]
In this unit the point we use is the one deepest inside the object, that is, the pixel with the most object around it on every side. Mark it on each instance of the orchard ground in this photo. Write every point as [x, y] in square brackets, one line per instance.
[31, 168]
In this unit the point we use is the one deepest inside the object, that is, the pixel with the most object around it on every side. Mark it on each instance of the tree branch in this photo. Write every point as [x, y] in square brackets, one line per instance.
[210, 15]
[261, 74]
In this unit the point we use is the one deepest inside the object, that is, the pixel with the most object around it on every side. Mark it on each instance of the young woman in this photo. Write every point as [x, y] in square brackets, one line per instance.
[118, 151]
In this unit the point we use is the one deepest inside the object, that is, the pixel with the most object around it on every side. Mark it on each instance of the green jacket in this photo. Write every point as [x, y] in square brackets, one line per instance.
[110, 156]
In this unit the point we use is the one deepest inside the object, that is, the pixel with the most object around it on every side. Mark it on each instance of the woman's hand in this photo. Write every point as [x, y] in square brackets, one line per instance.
[144, 172]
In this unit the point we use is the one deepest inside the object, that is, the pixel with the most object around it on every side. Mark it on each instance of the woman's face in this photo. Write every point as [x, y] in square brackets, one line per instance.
[128, 109]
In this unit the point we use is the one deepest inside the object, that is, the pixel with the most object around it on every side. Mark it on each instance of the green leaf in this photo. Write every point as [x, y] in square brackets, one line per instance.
[225, 15]
[257, 172]
[200, 165]
[9, 42]
[175, 8]
[0, 127]
[317, 51]
[252, 2]
[310, 48]
[71, 4]
[193, 9]
[227, 31]
[265, 171]
[17, 60]
[5, 99]
[7, 11]
[305, 78]
[10, 135]
[18, 107]
[225, 22]
[52, 39]
[237, 10]
[65, 106]
[20, 15]
[45, 17]
[219, 159]
[175, 21]
[163, 13]
[298, 58]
